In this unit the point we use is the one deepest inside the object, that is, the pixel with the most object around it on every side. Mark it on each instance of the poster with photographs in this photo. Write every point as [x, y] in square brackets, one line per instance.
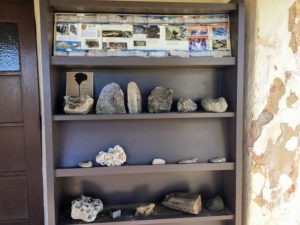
[142, 35]
[80, 83]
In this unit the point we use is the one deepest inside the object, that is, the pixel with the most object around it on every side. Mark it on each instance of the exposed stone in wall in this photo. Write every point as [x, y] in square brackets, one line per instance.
[272, 135]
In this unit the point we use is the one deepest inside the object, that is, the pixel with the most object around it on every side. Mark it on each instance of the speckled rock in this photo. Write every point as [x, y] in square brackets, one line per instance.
[113, 157]
[188, 161]
[160, 100]
[78, 104]
[111, 100]
[216, 204]
[86, 208]
[186, 105]
[217, 160]
[158, 162]
[218, 105]
[134, 98]
[88, 164]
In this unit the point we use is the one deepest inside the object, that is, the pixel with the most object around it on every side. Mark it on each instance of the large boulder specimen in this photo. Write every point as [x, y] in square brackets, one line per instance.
[78, 104]
[86, 208]
[113, 157]
[218, 105]
[111, 100]
[186, 105]
[185, 202]
[160, 100]
[134, 98]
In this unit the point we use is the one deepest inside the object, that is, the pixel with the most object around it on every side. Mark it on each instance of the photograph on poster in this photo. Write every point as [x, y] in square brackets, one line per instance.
[115, 45]
[219, 32]
[198, 44]
[139, 43]
[67, 46]
[152, 32]
[116, 33]
[176, 33]
[62, 28]
[92, 43]
[139, 29]
[220, 45]
[198, 30]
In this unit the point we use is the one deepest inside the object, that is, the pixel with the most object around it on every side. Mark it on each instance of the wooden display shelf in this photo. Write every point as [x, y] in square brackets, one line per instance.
[161, 215]
[114, 6]
[141, 169]
[121, 62]
[142, 116]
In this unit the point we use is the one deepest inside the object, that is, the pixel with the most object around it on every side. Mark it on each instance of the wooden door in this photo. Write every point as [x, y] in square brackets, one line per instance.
[20, 139]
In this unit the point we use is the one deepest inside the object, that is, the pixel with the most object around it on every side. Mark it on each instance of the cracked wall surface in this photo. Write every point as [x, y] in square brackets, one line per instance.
[272, 113]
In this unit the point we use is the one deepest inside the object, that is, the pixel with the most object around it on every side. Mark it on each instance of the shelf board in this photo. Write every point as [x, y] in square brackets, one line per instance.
[123, 6]
[139, 169]
[142, 116]
[121, 62]
[161, 215]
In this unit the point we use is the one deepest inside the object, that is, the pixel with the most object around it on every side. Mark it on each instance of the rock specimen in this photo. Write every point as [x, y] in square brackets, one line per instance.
[216, 204]
[158, 162]
[160, 100]
[78, 104]
[134, 98]
[86, 208]
[188, 161]
[186, 105]
[186, 202]
[115, 213]
[113, 157]
[145, 210]
[111, 100]
[217, 160]
[214, 105]
[88, 164]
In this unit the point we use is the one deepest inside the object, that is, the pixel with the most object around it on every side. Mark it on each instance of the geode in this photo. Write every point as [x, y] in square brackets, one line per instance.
[111, 100]
[78, 104]
[186, 105]
[134, 98]
[86, 208]
[160, 100]
[214, 105]
[113, 157]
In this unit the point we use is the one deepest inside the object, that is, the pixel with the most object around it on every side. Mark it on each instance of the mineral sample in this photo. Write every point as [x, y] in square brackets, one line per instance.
[186, 202]
[160, 100]
[78, 104]
[115, 213]
[145, 210]
[86, 208]
[113, 157]
[134, 98]
[111, 100]
[214, 105]
[216, 204]
[88, 164]
[186, 105]
[217, 160]
[158, 162]
[188, 161]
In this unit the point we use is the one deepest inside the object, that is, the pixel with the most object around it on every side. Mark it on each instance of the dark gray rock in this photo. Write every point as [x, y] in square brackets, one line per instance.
[160, 100]
[186, 105]
[216, 204]
[111, 100]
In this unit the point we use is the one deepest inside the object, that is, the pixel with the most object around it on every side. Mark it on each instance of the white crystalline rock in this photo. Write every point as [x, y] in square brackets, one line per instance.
[113, 157]
[86, 208]
[158, 162]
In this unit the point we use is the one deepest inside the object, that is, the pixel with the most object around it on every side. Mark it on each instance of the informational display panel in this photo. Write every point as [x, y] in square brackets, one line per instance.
[142, 35]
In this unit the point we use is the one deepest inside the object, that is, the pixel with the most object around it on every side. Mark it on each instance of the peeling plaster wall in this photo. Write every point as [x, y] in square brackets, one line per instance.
[272, 116]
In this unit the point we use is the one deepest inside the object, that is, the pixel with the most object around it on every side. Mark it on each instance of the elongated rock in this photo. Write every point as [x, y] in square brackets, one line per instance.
[134, 98]
[145, 209]
[111, 100]
[185, 202]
